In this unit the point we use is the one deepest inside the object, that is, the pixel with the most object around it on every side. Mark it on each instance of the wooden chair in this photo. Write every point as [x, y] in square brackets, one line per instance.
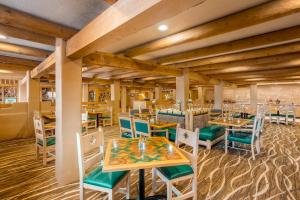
[45, 140]
[245, 136]
[142, 127]
[173, 174]
[126, 127]
[90, 154]
[91, 123]
[107, 117]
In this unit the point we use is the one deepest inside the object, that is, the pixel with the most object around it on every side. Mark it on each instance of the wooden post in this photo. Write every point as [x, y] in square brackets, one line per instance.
[33, 99]
[201, 95]
[115, 98]
[124, 99]
[182, 89]
[85, 92]
[253, 96]
[158, 93]
[218, 95]
[68, 114]
[22, 96]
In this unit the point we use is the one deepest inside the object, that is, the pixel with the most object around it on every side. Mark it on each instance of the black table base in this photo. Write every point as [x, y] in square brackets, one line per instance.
[141, 195]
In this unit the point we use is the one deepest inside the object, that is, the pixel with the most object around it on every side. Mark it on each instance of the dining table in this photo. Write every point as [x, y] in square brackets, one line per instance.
[140, 154]
[97, 113]
[162, 125]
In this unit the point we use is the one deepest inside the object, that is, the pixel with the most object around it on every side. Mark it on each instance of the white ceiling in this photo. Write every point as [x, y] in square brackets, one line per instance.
[72, 13]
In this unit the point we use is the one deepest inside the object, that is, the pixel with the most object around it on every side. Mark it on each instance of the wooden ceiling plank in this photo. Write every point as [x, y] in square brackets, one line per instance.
[23, 50]
[123, 19]
[257, 53]
[10, 31]
[18, 61]
[252, 16]
[25, 21]
[44, 67]
[14, 67]
[257, 41]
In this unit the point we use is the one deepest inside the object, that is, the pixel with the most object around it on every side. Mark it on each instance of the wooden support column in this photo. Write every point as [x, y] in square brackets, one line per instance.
[33, 99]
[218, 95]
[68, 114]
[253, 96]
[201, 95]
[124, 99]
[22, 95]
[85, 92]
[182, 89]
[115, 98]
[158, 93]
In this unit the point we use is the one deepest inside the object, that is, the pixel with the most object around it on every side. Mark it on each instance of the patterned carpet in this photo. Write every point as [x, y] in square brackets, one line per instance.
[273, 175]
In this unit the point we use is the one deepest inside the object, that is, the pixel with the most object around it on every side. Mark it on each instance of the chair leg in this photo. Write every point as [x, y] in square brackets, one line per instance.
[252, 150]
[153, 180]
[44, 156]
[169, 191]
[257, 144]
[233, 144]
[110, 195]
[81, 191]
[194, 187]
[128, 187]
[37, 152]
[226, 145]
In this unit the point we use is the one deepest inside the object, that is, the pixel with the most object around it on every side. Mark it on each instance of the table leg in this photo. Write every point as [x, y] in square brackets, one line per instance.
[97, 119]
[141, 184]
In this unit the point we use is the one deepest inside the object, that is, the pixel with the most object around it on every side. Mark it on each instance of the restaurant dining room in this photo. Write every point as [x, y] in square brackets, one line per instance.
[150, 99]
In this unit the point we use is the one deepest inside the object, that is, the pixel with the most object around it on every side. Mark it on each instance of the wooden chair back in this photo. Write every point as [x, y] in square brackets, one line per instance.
[190, 139]
[126, 125]
[90, 150]
[142, 127]
[39, 130]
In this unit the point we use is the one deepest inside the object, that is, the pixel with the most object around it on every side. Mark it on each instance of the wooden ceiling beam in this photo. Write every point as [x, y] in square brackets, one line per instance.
[18, 61]
[111, 60]
[257, 41]
[48, 65]
[23, 50]
[25, 21]
[10, 31]
[124, 18]
[249, 62]
[250, 17]
[257, 53]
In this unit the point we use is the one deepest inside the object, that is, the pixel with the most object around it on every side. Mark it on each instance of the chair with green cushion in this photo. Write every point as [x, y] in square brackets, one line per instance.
[91, 122]
[126, 127]
[45, 140]
[90, 156]
[142, 127]
[245, 136]
[106, 117]
[210, 135]
[174, 174]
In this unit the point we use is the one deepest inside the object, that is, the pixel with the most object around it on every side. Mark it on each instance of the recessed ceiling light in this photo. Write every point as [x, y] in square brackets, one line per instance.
[163, 27]
[3, 37]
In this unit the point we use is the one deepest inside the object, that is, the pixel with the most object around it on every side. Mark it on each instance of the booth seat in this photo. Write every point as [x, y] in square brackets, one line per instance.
[211, 135]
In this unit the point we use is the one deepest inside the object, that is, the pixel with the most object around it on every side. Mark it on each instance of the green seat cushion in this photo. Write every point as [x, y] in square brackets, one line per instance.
[176, 171]
[104, 179]
[50, 141]
[105, 117]
[160, 134]
[126, 135]
[238, 137]
[274, 115]
[211, 132]
[172, 134]
[291, 116]
[125, 123]
[92, 118]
